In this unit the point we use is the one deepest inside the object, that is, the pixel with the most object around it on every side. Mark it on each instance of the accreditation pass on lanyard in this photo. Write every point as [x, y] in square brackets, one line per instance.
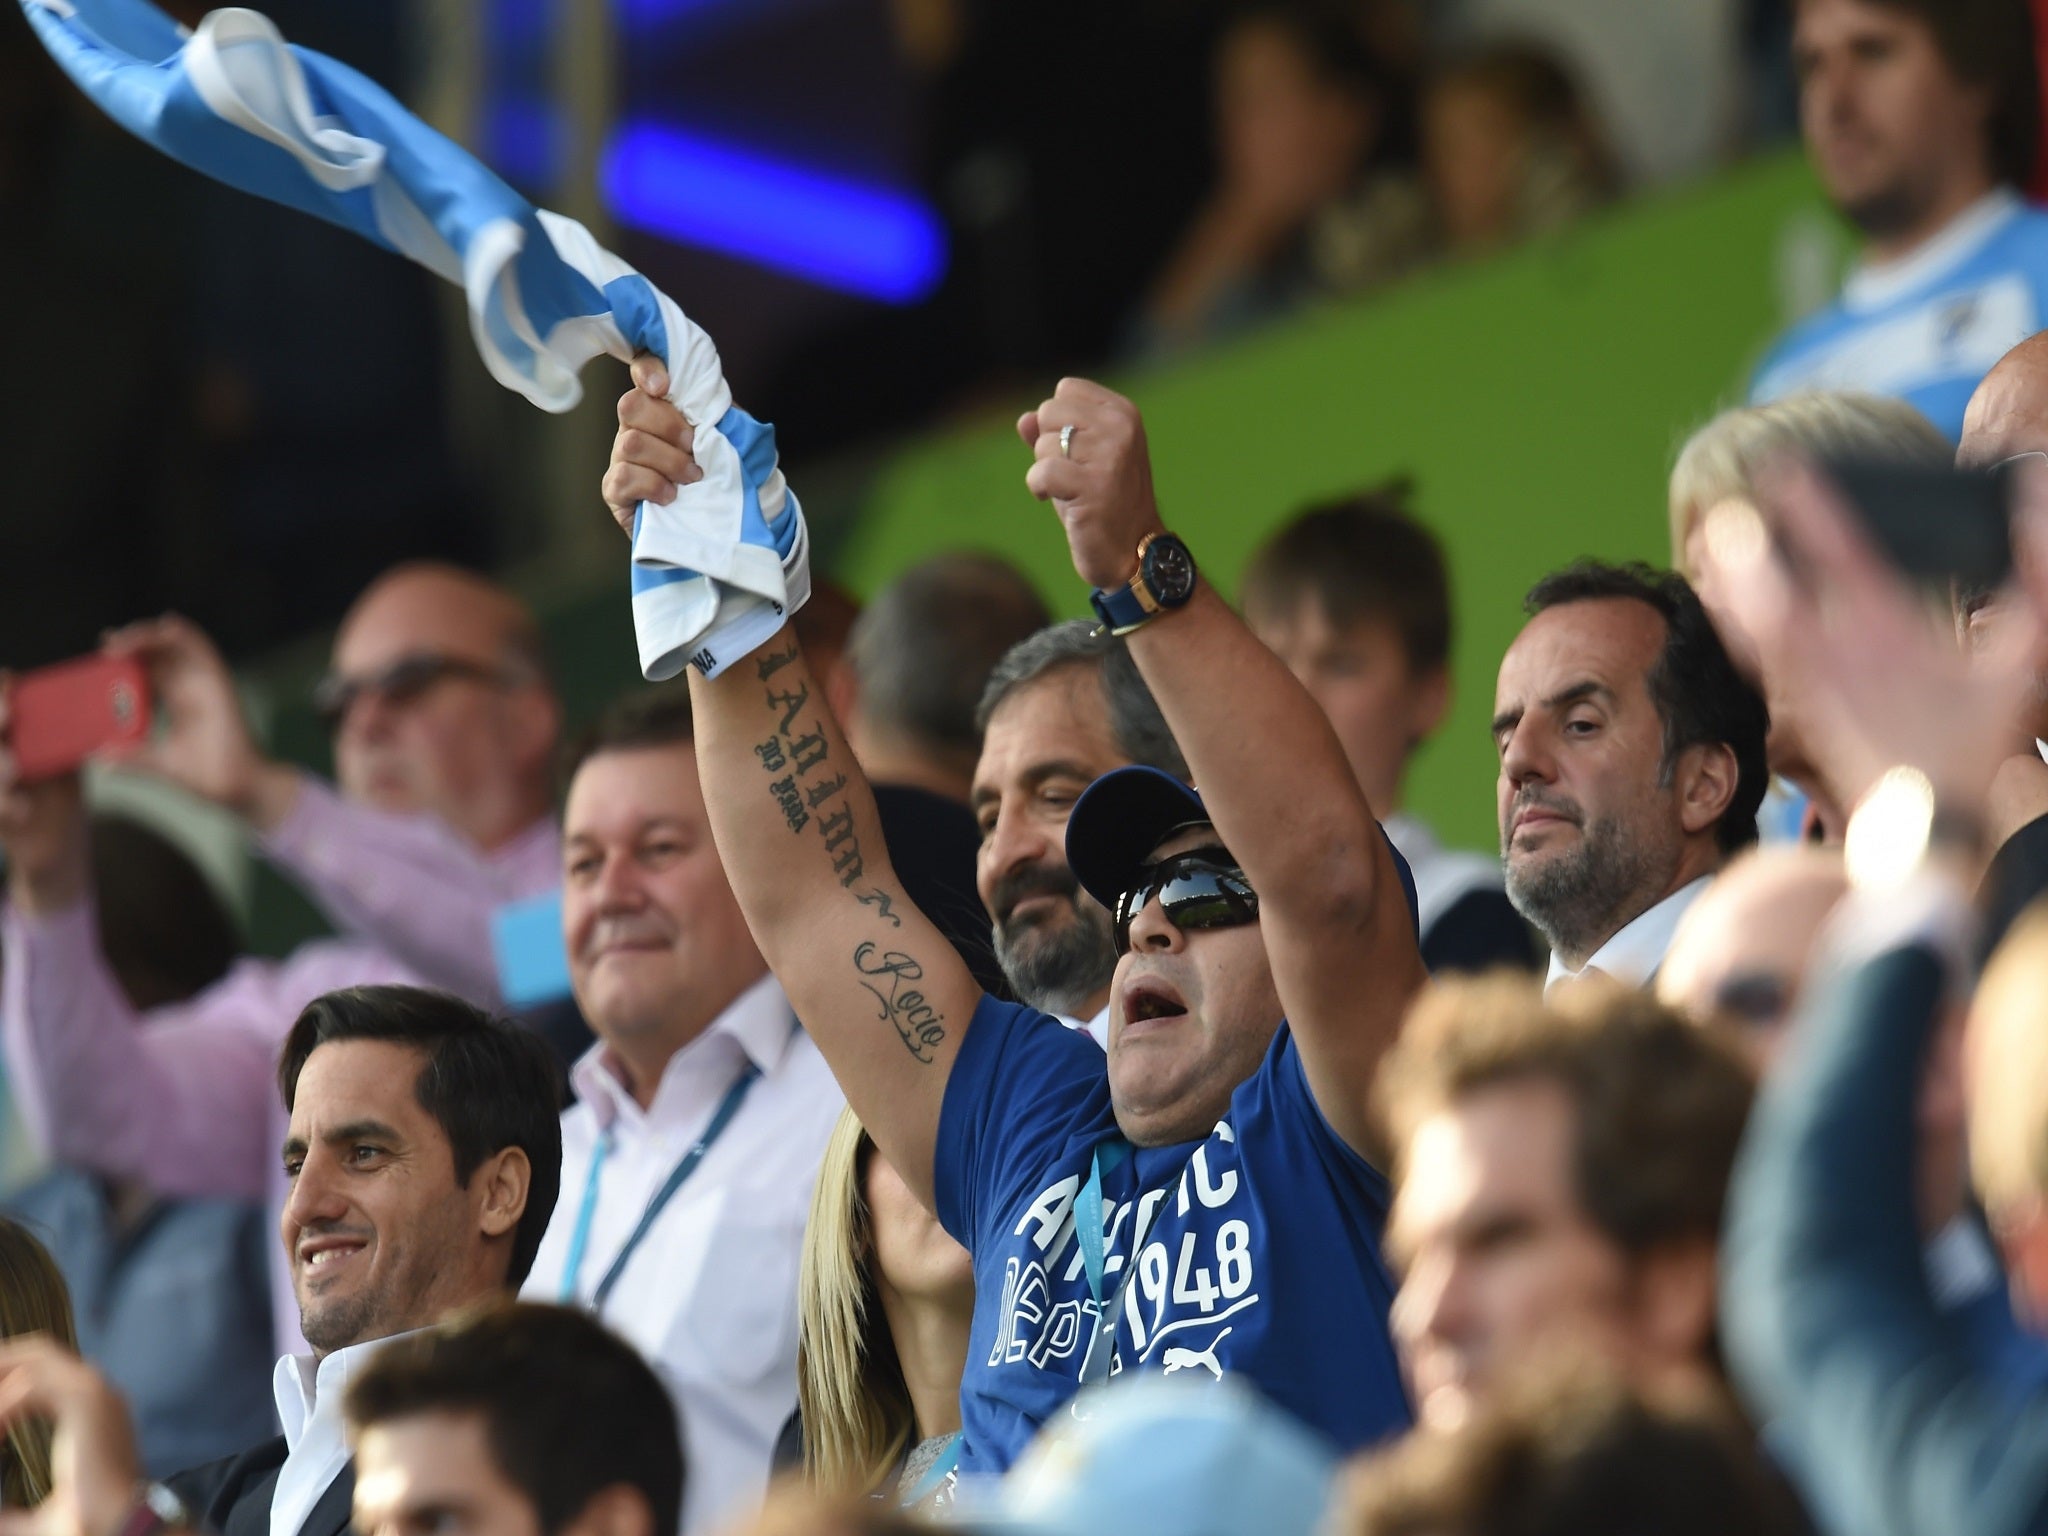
[579, 1239]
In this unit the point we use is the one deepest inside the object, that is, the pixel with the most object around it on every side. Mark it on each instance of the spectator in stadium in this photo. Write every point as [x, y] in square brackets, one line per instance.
[1510, 149]
[132, 1258]
[1726, 460]
[33, 1301]
[1560, 1172]
[1831, 1324]
[2007, 425]
[1354, 597]
[1312, 194]
[1061, 709]
[1740, 965]
[514, 1420]
[1249, 1076]
[1631, 765]
[886, 1299]
[918, 659]
[702, 1110]
[1566, 1452]
[1663, 81]
[423, 1157]
[1921, 119]
[444, 725]
[1740, 958]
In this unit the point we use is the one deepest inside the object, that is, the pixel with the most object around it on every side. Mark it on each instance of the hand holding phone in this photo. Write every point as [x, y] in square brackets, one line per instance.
[59, 716]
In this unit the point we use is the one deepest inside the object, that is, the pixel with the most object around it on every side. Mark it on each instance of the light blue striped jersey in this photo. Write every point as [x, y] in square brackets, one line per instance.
[1927, 328]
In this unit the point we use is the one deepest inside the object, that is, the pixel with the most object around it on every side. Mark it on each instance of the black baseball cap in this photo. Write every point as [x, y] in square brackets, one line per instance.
[1128, 812]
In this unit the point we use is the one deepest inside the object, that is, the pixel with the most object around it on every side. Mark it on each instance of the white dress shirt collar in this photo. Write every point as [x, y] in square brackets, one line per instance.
[755, 1027]
[1874, 285]
[1632, 956]
[1096, 1028]
[309, 1397]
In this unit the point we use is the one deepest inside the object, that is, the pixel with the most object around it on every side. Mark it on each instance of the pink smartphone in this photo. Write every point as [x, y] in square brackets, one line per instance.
[59, 716]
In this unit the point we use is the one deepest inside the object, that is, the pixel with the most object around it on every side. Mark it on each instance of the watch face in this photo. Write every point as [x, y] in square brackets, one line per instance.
[1169, 570]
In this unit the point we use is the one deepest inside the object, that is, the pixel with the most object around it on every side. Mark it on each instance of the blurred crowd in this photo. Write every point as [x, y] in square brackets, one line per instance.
[944, 1065]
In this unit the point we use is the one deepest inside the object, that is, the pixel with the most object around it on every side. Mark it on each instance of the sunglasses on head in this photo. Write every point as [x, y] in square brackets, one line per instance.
[1202, 888]
[404, 681]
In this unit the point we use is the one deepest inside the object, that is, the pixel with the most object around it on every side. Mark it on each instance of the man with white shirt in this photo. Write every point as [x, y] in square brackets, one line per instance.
[703, 1110]
[1921, 118]
[1631, 765]
[1061, 709]
[423, 1157]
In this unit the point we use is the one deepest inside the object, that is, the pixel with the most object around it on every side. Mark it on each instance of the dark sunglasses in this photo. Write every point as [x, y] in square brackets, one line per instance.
[403, 682]
[1198, 889]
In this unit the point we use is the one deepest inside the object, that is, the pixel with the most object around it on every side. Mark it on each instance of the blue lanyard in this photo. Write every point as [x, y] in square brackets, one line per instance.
[579, 1240]
[934, 1475]
[1109, 1155]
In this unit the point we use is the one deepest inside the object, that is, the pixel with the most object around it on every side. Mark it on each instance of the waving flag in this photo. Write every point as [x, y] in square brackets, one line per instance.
[717, 570]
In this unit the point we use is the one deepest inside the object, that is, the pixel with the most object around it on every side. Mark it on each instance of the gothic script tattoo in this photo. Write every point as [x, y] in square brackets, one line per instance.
[921, 1027]
[804, 794]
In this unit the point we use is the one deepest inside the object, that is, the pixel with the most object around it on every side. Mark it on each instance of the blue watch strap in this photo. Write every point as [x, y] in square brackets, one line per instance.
[1119, 608]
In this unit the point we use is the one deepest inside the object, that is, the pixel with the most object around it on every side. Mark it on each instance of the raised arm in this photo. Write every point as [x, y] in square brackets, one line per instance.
[880, 989]
[1331, 907]
[406, 883]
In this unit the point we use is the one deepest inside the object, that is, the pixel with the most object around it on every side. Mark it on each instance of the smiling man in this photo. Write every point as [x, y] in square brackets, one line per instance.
[1199, 1203]
[422, 1161]
[1631, 765]
[703, 1109]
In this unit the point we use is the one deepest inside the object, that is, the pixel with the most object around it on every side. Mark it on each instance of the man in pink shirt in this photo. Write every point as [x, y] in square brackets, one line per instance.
[444, 730]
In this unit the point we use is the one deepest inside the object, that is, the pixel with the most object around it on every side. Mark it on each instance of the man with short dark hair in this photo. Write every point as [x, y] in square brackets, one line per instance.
[1061, 709]
[423, 1158]
[1922, 120]
[1355, 598]
[444, 723]
[1631, 764]
[1560, 1173]
[516, 1420]
[704, 1107]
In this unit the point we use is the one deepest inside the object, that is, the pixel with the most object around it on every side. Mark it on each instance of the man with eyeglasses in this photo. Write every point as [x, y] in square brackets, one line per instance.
[1199, 1202]
[444, 731]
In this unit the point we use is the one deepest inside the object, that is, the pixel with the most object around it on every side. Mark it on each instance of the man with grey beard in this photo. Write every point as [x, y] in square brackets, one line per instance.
[1631, 765]
[1061, 709]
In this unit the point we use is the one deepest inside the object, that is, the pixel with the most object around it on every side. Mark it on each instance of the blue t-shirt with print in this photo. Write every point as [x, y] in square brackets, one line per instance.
[1262, 1261]
[1957, 307]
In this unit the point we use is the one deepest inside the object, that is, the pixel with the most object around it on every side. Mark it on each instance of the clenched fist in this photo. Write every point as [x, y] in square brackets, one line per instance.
[651, 454]
[1102, 486]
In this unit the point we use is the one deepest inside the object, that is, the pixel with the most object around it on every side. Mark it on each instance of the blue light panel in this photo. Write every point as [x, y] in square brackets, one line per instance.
[872, 241]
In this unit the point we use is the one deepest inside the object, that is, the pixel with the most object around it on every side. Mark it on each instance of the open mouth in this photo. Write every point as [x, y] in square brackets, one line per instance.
[1146, 1001]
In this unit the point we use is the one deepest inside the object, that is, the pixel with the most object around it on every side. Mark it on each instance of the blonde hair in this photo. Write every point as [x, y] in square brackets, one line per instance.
[2008, 1057]
[857, 1415]
[33, 1299]
[1722, 459]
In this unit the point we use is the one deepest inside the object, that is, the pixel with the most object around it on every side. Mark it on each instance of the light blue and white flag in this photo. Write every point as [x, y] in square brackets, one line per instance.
[715, 572]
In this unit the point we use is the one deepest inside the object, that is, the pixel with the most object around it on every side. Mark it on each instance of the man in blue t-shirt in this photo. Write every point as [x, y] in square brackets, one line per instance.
[1921, 120]
[1203, 1185]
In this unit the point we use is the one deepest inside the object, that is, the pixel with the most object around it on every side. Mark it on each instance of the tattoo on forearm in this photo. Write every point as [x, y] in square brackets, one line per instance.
[921, 1027]
[809, 790]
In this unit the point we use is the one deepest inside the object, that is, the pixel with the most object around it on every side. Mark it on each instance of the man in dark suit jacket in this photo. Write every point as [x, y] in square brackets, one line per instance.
[424, 1156]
